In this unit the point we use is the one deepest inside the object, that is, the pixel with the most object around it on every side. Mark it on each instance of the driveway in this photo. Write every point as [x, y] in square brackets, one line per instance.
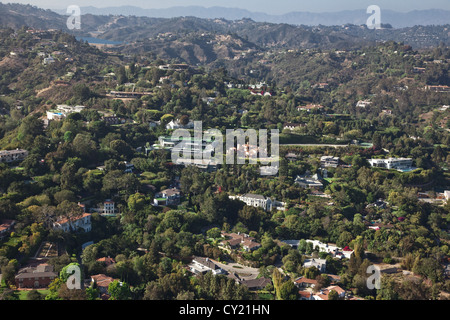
[246, 273]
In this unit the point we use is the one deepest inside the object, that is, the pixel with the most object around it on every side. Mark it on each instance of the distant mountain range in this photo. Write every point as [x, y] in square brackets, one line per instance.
[198, 39]
[357, 17]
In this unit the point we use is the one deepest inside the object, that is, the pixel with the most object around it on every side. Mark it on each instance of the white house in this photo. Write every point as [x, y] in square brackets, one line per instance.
[320, 264]
[177, 125]
[363, 104]
[257, 200]
[74, 223]
[393, 163]
[167, 197]
[201, 265]
[109, 207]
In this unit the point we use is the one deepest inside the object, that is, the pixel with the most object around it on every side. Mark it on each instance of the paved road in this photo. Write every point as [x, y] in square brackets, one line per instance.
[315, 145]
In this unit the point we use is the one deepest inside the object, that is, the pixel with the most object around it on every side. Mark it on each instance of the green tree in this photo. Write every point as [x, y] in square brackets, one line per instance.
[119, 290]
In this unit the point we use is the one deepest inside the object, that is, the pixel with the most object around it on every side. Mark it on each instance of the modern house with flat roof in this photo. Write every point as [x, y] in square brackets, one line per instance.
[400, 164]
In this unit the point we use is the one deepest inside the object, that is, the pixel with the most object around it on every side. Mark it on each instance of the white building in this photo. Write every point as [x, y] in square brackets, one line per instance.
[75, 223]
[320, 264]
[259, 201]
[109, 207]
[201, 265]
[177, 125]
[363, 104]
[393, 163]
[70, 109]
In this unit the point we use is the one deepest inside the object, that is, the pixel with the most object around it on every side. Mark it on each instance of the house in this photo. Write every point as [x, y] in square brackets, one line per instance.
[102, 282]
[305, 295]
[49, 60]
[320, 264]
[310, 107]
[6, 227]
[153, 124]
[330, 248]
[447, 195]
[201, 265]
[256, 284]
[172, 125]
[293, 126]
[329, 161]
[379, 204]
[400, 164]
[55, 115]
[66, 109]
[35, 277]
[168, 197]
[363, 104]
[74, 223]
[112, 120]
[321, 85]
[207, 165]
[303, 282]
[419, 70]
[438, 88]
[309, 181]
[255, 200]
[13, 155]
[323, 294]
[239, 240]
[129, 167]
[291, 157]
[107, 261]
[109, 207]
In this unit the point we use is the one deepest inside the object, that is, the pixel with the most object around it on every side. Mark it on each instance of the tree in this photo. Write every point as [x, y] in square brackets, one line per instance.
[34, 295]
[288, 291]
[277, 279]
[333, 295]
[119, 290]
[213, 233]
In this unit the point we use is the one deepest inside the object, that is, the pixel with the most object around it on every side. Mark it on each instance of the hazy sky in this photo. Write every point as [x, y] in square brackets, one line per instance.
[267, 6]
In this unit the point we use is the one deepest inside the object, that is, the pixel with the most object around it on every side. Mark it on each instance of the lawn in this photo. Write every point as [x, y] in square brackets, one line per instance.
[22, 294]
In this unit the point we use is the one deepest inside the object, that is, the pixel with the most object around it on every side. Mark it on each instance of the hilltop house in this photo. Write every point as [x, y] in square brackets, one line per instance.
[310, 107]
[239, 240]
[309, 181]
[201, 265]
[168, 197]
[13, 155]
[259, 201]
[74, 223]
[400, 164]
[329, 161]
[172, 125]
[363, 104]
[323, 294]
[6, 227]
[320, 264]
